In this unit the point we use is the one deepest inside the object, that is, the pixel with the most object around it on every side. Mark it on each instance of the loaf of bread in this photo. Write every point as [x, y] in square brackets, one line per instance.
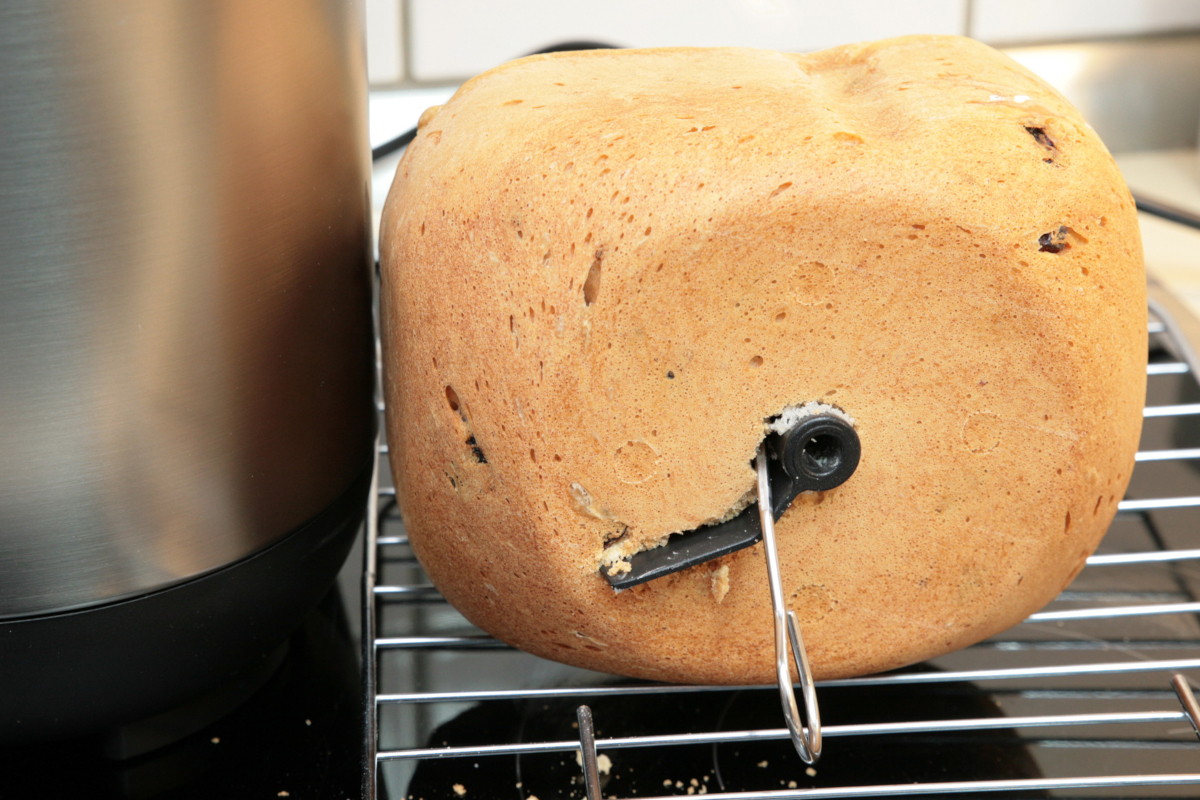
[604, 272]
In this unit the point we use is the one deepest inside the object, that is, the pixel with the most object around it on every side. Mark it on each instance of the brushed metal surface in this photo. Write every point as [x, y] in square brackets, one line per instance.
[185, 331]
[1141, 93]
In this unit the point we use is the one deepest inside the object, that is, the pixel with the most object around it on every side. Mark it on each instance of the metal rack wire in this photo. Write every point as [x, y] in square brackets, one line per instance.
[403, 614]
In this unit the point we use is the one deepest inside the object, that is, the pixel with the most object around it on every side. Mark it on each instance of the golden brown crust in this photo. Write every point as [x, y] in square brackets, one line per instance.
[610, 267]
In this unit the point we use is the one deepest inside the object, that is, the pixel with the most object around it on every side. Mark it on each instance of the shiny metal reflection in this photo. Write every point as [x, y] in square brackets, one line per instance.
[185, 332]
[1140, 93]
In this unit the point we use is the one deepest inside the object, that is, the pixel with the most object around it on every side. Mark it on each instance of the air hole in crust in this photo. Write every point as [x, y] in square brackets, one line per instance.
[591, 285]
[757, 361]
[780, 188]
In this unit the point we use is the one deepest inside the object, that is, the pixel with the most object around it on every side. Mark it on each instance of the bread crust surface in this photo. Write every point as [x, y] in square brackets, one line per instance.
[604, 271]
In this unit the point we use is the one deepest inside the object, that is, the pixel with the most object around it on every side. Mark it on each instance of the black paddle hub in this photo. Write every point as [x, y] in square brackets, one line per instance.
[817, 454]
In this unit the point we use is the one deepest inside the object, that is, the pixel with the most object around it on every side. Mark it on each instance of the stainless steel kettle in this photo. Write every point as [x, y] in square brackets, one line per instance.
[185, 341]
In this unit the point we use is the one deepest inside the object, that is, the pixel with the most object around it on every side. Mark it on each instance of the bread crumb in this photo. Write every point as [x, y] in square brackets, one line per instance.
[216, 740]
[667, 782]
[603, 763]
[459, 789]
[619, 568]
[762, 765]
[691, 790]
[790, 415]
[720, 582]
[694, 782]
[616, 555]
[791, 784]
[282, 794]
[810, 772]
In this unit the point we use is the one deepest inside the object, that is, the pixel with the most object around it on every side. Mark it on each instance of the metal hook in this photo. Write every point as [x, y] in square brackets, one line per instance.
[807, 741]
[1178, 338]
[587, 752]
[1188, 700]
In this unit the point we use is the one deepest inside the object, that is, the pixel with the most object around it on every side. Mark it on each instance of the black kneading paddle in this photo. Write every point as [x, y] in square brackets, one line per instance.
[815, 455]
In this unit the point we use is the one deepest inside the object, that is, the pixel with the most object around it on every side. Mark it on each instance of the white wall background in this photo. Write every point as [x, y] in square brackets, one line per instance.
[416, 42]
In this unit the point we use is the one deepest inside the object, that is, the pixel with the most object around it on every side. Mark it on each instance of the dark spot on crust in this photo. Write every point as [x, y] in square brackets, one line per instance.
[1039, 135]
[1054, 241]
[670, 374]
[476, 449]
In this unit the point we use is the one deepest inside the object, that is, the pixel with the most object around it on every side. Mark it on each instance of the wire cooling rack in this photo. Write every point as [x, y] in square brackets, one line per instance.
[1085, 698]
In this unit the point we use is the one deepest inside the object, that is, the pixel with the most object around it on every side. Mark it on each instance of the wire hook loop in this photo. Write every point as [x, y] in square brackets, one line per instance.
[806, 740]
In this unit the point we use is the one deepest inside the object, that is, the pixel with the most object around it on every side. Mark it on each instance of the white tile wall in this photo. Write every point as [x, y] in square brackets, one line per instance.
[385, 42]
[449, 40]
[1028, 21]
[453, 39]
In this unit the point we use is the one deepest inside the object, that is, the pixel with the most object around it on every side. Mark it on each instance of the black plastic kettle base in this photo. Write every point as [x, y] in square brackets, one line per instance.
[73, 673]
